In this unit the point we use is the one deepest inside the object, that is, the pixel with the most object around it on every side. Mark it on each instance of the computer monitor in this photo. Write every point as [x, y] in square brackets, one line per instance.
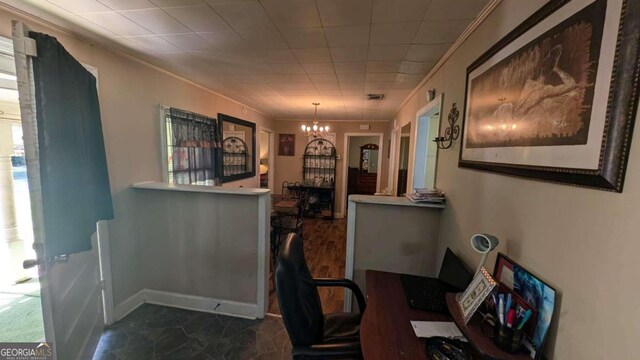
[454, 272]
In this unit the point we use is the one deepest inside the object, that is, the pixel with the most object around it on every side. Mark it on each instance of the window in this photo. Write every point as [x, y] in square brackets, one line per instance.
[193, 147]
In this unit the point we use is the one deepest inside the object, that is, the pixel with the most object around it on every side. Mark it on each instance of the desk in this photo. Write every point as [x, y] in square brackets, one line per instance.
[385, 330]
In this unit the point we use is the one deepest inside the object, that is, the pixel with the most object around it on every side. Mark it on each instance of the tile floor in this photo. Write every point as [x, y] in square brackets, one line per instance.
[158, 332]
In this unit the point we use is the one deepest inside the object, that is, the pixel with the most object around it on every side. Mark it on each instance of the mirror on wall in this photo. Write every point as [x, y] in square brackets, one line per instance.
[238, 148]
[369, 158]
[426, 150]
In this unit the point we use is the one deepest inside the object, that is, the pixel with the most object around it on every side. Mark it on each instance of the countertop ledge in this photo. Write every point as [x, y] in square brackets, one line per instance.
[391, 200]
[155, 185]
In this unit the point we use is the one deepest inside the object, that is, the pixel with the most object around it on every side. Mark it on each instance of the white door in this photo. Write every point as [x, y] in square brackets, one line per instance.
[71, 287]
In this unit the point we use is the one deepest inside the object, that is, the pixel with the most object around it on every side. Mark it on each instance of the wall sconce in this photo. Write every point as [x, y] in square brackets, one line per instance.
[452, 132]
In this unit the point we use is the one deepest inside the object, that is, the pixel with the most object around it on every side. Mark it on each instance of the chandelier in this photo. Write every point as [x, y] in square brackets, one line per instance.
[315, 130]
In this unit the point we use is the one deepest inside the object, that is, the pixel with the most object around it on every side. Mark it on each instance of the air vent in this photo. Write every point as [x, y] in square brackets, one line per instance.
[375, 96]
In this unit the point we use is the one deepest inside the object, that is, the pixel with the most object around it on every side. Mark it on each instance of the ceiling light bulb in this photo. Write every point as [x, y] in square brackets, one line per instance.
[315, 127]
[326, 128]
[304, 128]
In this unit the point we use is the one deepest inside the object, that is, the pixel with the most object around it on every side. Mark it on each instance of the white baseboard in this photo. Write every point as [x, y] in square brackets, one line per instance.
[188, 302]
[124, 308]
[200, 303]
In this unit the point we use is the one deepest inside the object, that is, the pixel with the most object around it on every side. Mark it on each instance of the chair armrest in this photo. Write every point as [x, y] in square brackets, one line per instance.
[322, 351]
[344, 283]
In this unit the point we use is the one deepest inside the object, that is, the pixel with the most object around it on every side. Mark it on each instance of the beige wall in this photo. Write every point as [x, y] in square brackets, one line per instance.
[583, 242]
[129, 96]
[289, 168]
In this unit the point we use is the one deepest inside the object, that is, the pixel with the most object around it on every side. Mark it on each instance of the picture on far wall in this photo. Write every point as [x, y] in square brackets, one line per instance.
[287, 145]
[553, 100]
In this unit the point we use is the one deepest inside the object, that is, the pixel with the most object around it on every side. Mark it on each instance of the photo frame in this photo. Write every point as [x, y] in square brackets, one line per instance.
[475, 294]
[529, 292]
[286, 144]
[535, 101]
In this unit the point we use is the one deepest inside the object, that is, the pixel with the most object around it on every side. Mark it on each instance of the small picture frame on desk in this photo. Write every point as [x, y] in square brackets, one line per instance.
[475, 294]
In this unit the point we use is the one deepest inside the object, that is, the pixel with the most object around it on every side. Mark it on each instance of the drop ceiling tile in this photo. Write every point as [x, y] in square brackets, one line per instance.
[323, 78]
[352, 92]
[156, 20]
[383, 66]
[278, 80]
[244, 16]
[225, 40]
[394, 33]
[349, 54]
[377, 77]
[316, 55]
[154, 43]
[352, 86]
[399, 10]
[338, 36]
[387, 52]
[189, 42]
[199, 18]
[304, 38]
[416, 68]
[128, 4]
[120, 24]
[167, 3]
[426, 52]
[292, 13]
[378, 86]
[334, 86]
[318, 68]
[357, 77]
[440, 32]
[350, 67]
[291, 68]
[344, 12]
[278, 56]
[80, 6]
[268, 39]
[454, 10]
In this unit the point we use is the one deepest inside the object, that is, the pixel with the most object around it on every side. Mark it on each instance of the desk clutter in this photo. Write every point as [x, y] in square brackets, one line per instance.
[425, 195]
[504, 316]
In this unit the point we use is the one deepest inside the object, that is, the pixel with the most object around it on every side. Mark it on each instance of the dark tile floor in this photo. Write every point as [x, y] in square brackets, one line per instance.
[158, 332]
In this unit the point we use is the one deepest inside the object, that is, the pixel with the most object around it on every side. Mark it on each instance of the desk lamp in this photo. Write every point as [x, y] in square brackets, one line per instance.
[484, 244]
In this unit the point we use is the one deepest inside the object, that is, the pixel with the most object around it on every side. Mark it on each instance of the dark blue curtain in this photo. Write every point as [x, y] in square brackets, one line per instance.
[73, 165]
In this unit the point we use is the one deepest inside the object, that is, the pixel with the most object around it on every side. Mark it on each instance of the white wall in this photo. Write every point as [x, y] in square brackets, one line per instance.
[130, 93]
[583, 242]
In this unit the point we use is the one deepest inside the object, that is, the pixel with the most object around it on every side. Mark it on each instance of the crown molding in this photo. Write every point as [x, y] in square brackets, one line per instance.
[482, 16]
[108, 47]
[335, 120]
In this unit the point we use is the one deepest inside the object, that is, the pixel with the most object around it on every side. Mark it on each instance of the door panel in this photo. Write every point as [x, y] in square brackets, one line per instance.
[71, 290]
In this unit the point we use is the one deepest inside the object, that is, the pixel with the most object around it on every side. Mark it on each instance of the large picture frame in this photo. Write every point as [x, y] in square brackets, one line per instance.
[556, 98]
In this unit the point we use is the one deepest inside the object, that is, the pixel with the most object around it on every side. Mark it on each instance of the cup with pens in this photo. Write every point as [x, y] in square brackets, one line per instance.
[511, 320]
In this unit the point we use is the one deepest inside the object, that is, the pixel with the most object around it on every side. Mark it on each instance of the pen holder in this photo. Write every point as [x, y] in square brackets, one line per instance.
[506, 338]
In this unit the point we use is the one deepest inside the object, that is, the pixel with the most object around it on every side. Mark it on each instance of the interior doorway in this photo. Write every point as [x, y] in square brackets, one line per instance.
[403, 160]
[361, 165]
[426, 150]
[267, 159]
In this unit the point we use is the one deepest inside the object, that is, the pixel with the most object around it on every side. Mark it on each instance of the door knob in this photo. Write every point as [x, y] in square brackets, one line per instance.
[29, 263]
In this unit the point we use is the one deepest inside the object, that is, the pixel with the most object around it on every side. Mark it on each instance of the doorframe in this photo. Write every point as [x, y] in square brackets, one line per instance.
[415, 123]
[394, 163]
[345, 164]
[272, 158]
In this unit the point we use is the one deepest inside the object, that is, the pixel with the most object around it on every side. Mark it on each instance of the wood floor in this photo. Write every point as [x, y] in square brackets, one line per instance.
[325, 250]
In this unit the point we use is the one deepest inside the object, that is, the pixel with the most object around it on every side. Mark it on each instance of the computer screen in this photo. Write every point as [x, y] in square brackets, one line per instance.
[454, 272]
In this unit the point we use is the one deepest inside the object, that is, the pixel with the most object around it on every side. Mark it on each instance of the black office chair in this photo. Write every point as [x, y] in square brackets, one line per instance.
[313, 334]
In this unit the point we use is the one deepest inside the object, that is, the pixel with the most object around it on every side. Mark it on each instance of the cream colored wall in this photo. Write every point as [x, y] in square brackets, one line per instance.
[583, 242]
[289, 168]
[129, 96]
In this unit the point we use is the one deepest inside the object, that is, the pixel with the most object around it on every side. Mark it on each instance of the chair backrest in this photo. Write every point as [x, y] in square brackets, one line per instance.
[297, 295]
[285, 188]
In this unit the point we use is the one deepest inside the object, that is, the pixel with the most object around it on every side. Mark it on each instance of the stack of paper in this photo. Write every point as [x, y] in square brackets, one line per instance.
[425, 329]
[424, 195]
